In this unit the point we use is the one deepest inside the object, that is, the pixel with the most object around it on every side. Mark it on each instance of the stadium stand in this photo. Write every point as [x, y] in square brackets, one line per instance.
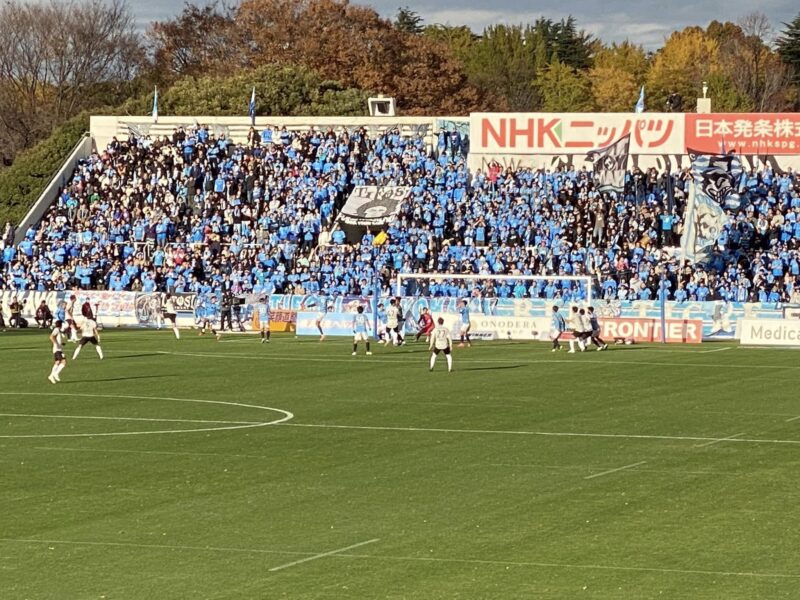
[193, 212]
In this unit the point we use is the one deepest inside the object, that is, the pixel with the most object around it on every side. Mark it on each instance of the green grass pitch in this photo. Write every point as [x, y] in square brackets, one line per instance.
[641, 472]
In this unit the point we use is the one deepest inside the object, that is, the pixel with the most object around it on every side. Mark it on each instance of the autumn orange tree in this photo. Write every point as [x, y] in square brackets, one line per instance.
[616, 76]
[348, 43]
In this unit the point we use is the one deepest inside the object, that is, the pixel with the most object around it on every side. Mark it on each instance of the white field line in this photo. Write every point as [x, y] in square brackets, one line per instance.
[583, 468]
[322, 555]
[715, 350]
[129, 397]
[130, 419]
[286, 416]
[629, 436]
[792, 419]
[521, 359]
[725, 439]
[574, 566]
[615, 470]
[467, 561]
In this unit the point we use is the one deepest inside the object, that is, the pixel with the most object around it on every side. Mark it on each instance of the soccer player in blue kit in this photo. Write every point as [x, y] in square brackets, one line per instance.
[465, 323]
[263, 319]
[360, 330]
[557, 327]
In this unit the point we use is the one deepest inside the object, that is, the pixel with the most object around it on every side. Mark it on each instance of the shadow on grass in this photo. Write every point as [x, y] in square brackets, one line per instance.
[491, 368]
[124, 356]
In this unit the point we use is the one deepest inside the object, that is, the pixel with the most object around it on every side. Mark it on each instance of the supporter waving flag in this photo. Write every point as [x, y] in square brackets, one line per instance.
[609, 165]
[251, 109]
[714, 180]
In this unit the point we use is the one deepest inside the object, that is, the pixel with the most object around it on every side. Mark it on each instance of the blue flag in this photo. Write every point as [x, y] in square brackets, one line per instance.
[252, 107]
[155, 106]
[713, 189]
[640, 102]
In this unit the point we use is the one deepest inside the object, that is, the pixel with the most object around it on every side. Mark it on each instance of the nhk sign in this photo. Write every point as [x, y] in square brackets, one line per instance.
[555, 133]
[503, 134]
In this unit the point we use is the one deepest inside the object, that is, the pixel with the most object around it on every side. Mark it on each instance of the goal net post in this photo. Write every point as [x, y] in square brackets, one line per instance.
[500, 306]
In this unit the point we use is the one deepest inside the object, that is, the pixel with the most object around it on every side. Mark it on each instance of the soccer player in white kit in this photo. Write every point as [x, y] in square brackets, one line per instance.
[89, 335]
[394, 328]
[441, 342]
[170, 314]
[576, 328]
[59, 362]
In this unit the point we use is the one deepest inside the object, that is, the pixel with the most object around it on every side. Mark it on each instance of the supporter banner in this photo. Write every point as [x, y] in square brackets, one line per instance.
[719, 318]
[112, 309]
[782, 332]
[745, 133]
[128, 309]
[609, 165]
[28, 301]
[554, 133]
[185, 303]
[372, 204]
[649, 330]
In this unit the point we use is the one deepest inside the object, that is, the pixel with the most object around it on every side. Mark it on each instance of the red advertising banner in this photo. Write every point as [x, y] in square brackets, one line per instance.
[746, 133]
[678, 331]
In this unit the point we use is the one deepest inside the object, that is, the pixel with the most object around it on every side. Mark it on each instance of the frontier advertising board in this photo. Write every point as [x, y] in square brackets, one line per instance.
[773, 332]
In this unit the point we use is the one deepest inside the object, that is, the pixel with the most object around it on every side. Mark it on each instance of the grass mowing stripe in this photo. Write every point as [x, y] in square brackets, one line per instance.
[571, 361]
[438, 506]
[343, 554]
[156, 452]
[155, 546]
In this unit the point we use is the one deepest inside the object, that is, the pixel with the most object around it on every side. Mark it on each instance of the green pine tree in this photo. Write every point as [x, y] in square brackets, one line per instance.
[789, 47]
[408, 20]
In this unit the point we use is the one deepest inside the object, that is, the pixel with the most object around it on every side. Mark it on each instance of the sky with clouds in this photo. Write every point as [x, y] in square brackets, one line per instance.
[644, 22]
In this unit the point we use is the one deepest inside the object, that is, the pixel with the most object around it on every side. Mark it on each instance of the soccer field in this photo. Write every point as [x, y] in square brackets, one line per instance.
[198, 469]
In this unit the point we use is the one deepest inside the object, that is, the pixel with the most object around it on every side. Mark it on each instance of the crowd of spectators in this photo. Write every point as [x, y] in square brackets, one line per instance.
[194, 212]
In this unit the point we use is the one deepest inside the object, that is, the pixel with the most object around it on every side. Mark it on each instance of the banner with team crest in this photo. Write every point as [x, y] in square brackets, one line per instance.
[715, 180]
[610, 164]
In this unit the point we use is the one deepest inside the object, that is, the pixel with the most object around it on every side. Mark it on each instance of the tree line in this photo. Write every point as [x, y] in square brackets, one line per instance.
[61, 59]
